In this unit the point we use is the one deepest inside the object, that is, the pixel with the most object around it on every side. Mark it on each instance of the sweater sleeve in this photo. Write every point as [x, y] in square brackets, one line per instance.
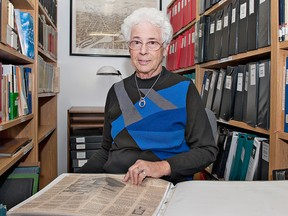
[199, 137]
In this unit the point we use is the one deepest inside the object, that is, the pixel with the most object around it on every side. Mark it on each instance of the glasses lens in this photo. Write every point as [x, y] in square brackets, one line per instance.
[151, 45]
[135, 45]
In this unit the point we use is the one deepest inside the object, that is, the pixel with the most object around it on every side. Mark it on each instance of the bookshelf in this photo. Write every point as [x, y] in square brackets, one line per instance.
[276, 52]
[41, 124]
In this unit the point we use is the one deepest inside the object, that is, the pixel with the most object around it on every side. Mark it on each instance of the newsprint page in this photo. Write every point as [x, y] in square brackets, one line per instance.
[96, 194]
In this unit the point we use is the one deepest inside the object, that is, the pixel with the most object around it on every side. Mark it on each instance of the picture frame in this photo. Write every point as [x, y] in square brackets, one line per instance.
[95, 26]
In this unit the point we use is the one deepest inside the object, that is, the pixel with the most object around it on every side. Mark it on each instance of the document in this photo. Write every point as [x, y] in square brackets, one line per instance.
[95, 194]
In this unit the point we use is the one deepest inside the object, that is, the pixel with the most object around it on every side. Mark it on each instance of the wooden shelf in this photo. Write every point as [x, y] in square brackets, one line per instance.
[23, 4]
[7, 162]
[44, 131]
[253, 55]
[12, 123]
[9, 55]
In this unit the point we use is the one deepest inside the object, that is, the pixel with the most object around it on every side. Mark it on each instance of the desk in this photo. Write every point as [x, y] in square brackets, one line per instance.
[219, 198]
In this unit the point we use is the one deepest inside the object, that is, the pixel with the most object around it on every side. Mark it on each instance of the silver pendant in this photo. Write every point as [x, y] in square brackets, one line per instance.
[142, 102]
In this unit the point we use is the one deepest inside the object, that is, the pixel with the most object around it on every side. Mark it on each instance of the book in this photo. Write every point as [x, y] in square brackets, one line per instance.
[25, 27]
[96, 194]
[106, 194]
[9, 146]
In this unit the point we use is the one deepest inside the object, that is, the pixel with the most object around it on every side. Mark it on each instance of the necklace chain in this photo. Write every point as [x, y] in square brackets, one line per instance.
[142, 101]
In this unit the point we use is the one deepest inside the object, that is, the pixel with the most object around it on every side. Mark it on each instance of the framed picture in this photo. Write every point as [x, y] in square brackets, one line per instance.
[95, 26]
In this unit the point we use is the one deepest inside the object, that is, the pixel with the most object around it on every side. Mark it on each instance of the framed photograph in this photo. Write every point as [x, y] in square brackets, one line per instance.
[95, 26]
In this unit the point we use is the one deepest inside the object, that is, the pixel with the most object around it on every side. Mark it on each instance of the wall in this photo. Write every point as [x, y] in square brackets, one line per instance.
[79, 86]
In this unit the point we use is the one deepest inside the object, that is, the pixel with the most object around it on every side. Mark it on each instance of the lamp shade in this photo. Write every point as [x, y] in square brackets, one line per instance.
[108, 70]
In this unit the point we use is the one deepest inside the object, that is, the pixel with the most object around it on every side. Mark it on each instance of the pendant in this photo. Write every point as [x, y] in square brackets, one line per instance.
[142, 102]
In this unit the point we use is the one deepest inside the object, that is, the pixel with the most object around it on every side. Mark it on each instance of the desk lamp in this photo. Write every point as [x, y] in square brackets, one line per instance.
[108, 70]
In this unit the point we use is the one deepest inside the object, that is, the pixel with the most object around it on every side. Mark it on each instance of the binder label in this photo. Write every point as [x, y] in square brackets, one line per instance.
[233, 17]
[228, 82]
[81, 155]
[240, 82]
[219, 25]
[262, 70]
[80, 140]
[253, 75]
[243, 10]
[225, 21]
[81, 162]
[81, 146]
[251, 7]
[219, 83]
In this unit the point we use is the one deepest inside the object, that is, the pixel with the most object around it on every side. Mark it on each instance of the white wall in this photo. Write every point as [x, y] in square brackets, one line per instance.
[79, 86]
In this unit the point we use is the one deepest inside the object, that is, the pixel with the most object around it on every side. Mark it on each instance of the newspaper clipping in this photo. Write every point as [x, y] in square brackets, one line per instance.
[95, 194]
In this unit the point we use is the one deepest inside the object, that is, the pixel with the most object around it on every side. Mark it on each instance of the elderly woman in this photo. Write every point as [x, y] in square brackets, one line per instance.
[155, 122]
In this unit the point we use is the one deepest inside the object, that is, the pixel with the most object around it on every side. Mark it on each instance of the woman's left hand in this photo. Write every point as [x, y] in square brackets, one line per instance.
[142, 169]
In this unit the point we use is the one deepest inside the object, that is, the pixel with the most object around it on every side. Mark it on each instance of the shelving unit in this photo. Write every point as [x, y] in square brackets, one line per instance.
[41, 125]
[83, 122]
[276, 52]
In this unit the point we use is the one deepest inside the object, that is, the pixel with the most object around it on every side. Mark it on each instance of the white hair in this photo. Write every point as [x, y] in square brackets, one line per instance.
[151, 15]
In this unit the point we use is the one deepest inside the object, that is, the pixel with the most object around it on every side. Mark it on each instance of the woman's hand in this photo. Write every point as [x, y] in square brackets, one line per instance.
[142, 169]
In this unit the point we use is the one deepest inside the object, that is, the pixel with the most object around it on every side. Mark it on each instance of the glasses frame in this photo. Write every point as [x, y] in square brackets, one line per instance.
[142, 43]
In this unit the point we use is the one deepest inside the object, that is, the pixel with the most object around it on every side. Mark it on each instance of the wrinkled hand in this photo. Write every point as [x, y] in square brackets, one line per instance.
[142, 169]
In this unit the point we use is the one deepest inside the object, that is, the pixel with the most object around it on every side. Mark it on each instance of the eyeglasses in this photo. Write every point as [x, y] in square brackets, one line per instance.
[151, 45]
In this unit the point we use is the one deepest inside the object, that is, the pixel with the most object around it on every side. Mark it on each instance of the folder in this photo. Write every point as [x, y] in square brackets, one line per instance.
[246, 153]
[233, 37]
[242, 31]
[84, 154]
[212, 87]
[263, 115]
[236, 162]
[223, 143]
[226, 20]
[229, 89]
[86, 139]
[252, 28]
[252, 94]
[254, 169]
[218, 34]
[239, 94]
[216, 106]
[231, 155]
[82, 146]
[264, 25]
[264, 160]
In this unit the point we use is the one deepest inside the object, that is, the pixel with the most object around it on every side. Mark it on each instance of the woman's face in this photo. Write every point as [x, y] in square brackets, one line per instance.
[147, 62]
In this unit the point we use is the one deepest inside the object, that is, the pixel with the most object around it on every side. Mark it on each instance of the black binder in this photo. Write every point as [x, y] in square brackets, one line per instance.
[252, 25]
[211, 92]
[218, 94]
[233, 37]
[242, 31]
[206, 85]
[210, 37]
[263, 119]
[201, 38]
[264, 24]
[252, 94]
[226, 20]
[218, 34]
[229, 89]
[207, 4]
[239, 94]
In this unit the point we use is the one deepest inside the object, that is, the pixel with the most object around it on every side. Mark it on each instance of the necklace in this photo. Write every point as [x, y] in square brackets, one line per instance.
[142, 101]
